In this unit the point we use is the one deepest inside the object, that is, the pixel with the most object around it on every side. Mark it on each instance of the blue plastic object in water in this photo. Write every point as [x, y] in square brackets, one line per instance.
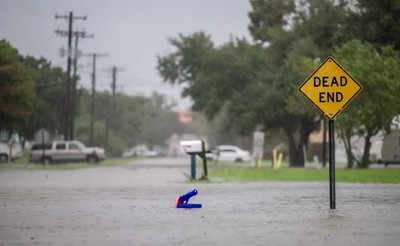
[189, 205]
[182, 201]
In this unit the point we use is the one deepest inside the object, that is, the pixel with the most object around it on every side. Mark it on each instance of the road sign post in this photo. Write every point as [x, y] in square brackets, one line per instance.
[332, 189]
[330, 88]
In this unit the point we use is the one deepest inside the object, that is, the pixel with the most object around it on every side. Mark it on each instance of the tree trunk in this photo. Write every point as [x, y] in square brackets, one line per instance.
[365, 157]
[305, 126]
[345, 135]
[349, 153]
[296, 157]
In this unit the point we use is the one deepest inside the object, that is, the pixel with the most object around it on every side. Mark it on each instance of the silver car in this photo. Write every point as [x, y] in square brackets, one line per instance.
[65, 151]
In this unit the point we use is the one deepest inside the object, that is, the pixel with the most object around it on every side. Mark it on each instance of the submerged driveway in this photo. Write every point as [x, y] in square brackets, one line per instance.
[134, 205]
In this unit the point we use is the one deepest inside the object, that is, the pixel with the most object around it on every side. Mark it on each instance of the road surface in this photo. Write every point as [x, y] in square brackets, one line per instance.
[134, 205]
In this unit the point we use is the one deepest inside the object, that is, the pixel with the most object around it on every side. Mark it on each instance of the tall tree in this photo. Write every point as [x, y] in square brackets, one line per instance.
[280, 25]
[269, 17]
[377, 105]
[257, 83]
[376, 22]
[48, 106]
[184, 66]
[245, 80]
[16, 89]
[136, 120]
[323, 22]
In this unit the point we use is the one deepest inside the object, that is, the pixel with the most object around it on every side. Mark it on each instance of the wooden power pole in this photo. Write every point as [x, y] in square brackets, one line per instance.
[68, 84]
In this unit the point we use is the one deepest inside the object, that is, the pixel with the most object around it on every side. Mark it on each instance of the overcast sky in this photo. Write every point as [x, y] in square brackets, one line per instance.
[132, 32]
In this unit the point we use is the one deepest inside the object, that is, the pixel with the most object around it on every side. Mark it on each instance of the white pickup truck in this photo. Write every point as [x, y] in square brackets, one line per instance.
[10, 152]
[65, 151]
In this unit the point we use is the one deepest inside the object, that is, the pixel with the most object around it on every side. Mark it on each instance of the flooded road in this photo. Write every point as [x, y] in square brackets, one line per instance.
[134, 205]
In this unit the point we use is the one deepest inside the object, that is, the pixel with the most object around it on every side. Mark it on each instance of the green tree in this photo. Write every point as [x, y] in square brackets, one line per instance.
[216, 74]
[376, 22]
[324, 24]
[48, 108]
[246, 81]
[16, 89]
[186, 65]
[135, 120]
[159, 122]
[269, 17]
[376, 106]
[289, 39]
[257, 83]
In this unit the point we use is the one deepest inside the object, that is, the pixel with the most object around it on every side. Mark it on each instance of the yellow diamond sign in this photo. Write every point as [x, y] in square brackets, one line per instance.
[330, 88]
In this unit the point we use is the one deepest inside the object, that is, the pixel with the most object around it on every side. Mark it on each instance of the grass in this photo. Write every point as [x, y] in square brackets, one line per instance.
[373, 175]
[229, 172]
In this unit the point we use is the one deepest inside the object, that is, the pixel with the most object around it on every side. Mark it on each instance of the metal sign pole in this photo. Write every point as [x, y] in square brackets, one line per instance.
[332, 191]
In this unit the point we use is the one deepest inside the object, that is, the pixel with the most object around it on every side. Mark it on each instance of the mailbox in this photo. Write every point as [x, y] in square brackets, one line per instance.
[192, 146]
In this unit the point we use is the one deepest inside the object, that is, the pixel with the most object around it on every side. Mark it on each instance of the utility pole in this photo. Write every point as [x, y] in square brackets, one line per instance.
[75, 80]
[111, 108]
[114, 71]
[114, 85]
[92, 109]
[68, 84]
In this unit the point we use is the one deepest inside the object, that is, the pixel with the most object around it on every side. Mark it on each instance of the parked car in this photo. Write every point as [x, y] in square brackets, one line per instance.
[65, 151]
[10, 152]
[230, 153]
[210, 154]
[140, 150]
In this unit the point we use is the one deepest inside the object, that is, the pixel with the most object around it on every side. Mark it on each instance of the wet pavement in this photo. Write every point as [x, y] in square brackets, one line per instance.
[134, 205]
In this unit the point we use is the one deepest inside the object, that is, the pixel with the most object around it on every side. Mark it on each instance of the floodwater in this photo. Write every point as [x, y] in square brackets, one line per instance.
[135, 205]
